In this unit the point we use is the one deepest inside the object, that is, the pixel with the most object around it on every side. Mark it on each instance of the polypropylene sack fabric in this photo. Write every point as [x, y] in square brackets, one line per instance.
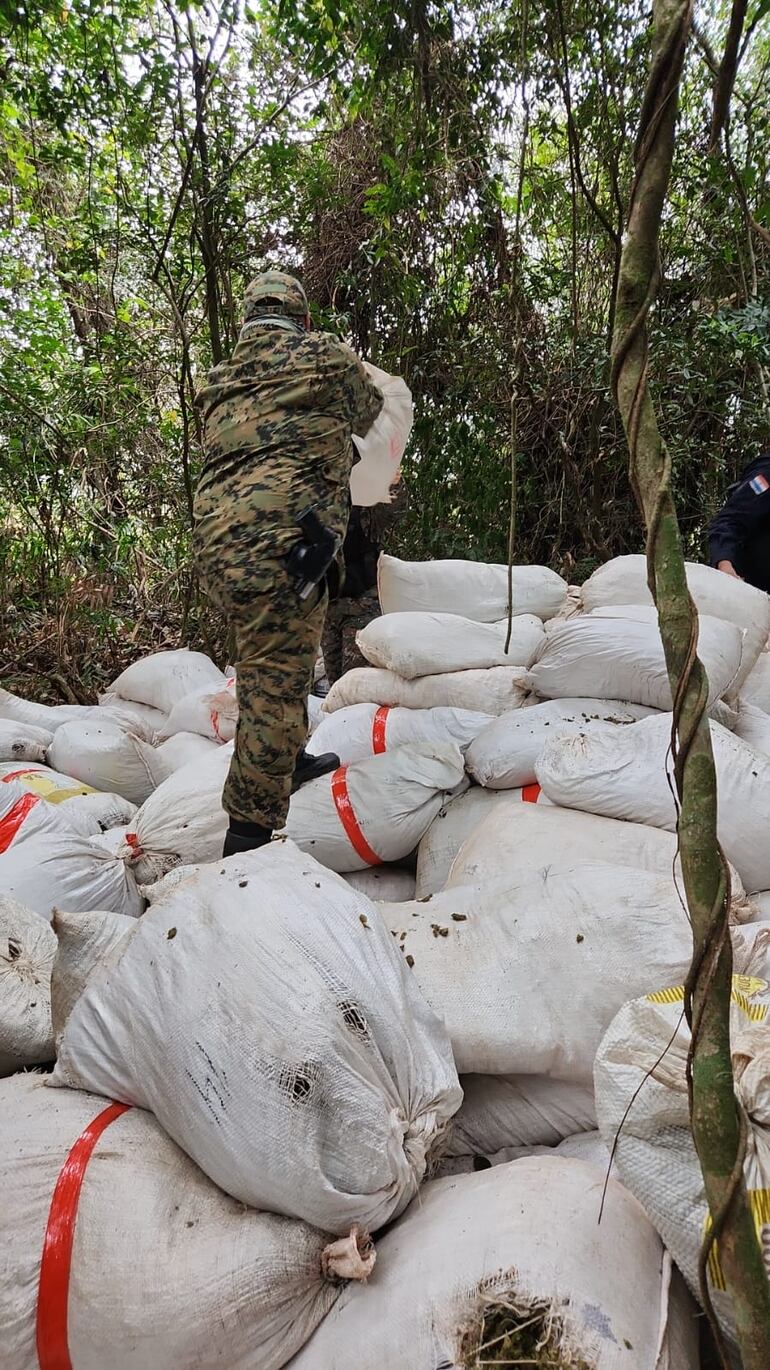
[263, 1014]
[47, 716]
[454, 824]
[23, 741]
[140, 719]
[626, 773]
[67, 871]
[646, 1045]
[753, 727]
[87, 811]
[500, 1111]
[503, 756]
[105, 757]
[610, 655]
[213, 713]
[183, 821]
[27, 950]
[524, 835]
[381, 449]
[528, 1233]
[489, 692]
[364, 730]
[166, 1270]
[182, 748]
[474, 589]
[424, 644]
[374, 811]
[24, 815]
[389, 883]
[624, 581]
[527, 972]
[165, 678]
[756, 687]
[87, 945]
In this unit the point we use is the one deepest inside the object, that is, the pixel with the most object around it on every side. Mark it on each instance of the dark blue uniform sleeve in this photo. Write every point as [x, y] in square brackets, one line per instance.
[747, 505]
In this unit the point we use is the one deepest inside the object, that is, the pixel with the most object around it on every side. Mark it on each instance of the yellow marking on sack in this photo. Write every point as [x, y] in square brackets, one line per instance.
[759, 1207]
[49, 790]
[744, 988]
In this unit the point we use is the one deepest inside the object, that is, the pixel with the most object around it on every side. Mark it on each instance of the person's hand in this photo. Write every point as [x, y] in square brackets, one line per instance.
[728, 569]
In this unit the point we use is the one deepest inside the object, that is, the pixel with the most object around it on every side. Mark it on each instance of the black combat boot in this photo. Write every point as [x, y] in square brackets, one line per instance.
[242, 837]
[309, 767]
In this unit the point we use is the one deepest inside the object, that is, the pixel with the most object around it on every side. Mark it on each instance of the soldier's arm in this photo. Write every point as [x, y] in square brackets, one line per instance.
[737, 519]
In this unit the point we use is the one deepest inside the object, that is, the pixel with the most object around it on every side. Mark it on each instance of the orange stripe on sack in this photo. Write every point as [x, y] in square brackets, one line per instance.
[531, 793]
[53, 1288]
[348, 818]
[9, 826]
[378, 729]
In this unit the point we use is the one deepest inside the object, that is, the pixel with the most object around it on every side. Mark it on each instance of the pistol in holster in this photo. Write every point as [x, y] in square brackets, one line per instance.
[308, 561]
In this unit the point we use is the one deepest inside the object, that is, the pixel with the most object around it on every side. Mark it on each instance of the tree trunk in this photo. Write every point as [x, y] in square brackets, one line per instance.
[716, 1125]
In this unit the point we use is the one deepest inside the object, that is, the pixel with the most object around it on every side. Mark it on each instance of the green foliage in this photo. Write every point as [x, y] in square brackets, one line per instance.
[154, 155]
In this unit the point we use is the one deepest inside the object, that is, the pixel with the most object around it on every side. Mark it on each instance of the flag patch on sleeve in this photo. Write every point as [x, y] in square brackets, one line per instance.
[759, 484]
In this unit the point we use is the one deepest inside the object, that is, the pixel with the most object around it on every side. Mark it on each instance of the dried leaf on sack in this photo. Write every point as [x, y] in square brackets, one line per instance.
[509, 1330]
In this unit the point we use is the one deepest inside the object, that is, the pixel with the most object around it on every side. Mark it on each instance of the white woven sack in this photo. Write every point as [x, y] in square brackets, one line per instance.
[753, 727]
[526, 972]
[603, 657]
[212, 712]
[523, 1237]
[625, 773]
[64, 870]
[624, 581]
[499, 1111]
[518, 836]
[24, 815]
[183, 821]
[377, 810]
[421, 644]
[381, 449]
[490, 692]
[182, 748]
[262, 1012]
[646, 1045]
[389, 883]
[756, 687]
[140, 719]
[363, 730]
[27, 950]
[166, 1270]
[314, 712]
[105, 757]
[503, 756]
[23, 741]
[164, 678]
[86, 810]
[47, 716]
[453, 825]
[474, 589]
[87, 945]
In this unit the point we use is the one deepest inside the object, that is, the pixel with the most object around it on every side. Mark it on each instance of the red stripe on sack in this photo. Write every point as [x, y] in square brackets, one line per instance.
[215, 723]
[531, 793]
[28, 770]
[133, 841]
[378, 729]
[53, 1288]
[348, 818]
[9, 826]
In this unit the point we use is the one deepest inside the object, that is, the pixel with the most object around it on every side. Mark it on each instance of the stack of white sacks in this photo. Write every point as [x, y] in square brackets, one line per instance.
[487, 887]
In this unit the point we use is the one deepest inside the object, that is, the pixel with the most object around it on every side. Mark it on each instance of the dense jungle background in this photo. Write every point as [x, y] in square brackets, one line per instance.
[449, 180]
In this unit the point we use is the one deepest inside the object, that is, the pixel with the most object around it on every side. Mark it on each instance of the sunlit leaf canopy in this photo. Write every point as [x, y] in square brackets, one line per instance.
[449, 181]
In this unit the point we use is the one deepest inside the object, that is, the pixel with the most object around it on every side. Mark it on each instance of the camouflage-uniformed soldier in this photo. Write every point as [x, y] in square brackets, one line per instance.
[358, 604]
[278, 422]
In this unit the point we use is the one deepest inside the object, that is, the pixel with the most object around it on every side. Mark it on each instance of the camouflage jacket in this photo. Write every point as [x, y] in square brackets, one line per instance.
[278, 419]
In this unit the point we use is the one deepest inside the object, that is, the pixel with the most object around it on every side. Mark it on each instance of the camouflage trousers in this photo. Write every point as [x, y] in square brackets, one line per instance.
[344, 619]
[277, 637]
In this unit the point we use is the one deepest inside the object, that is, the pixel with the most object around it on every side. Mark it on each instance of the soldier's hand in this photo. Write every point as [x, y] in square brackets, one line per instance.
[728, 569]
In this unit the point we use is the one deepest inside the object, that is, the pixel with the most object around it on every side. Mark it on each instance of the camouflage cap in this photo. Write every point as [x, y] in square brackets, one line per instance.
[273, 292]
